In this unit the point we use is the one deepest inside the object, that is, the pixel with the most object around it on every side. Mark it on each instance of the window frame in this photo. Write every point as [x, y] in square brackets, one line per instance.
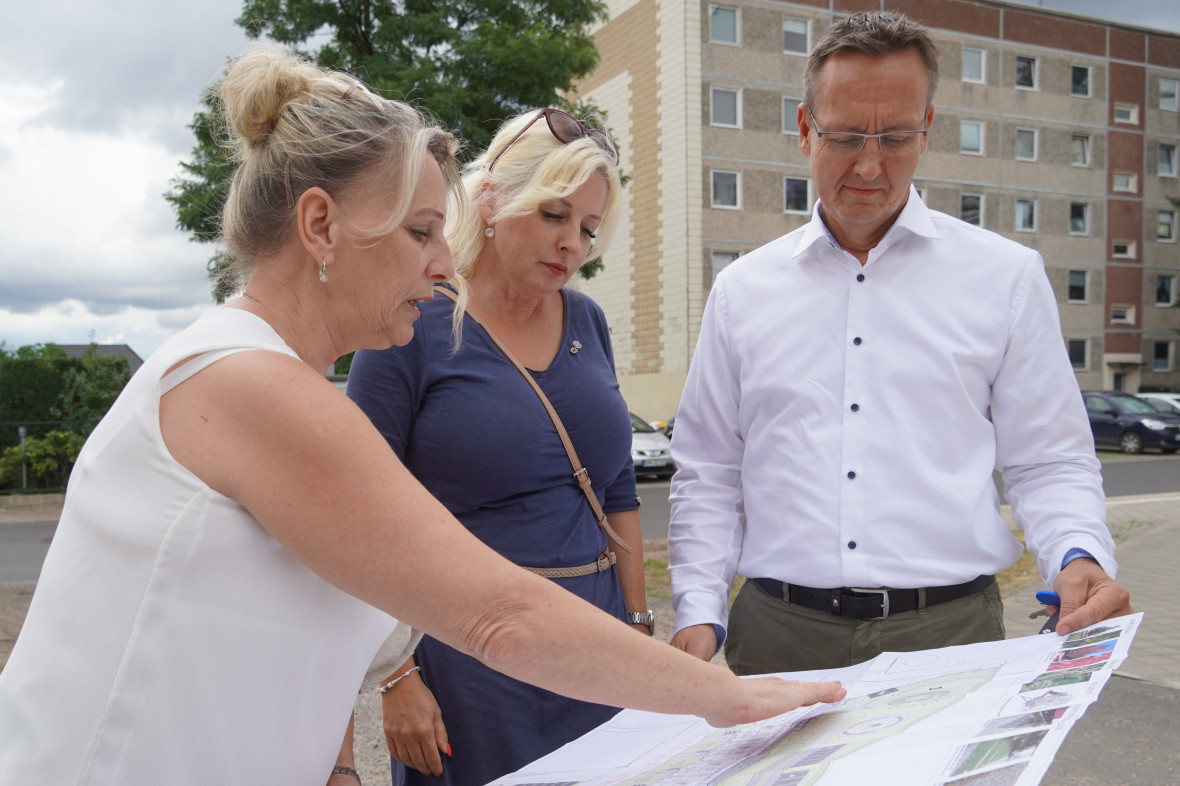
[713, 261]
[737, 25]
[1130, 251]
[1175, 94]
[982, 146]
[1088, 142]
[806, 35]
[1085, 286]
[1132, 112]
[806, 209]
[1169, 356]
[977, 195]
[1085, 342]
[1034, 67]
[1017, 225]
[1089, 79]
[737, 106]
[1132, 182]
[794, 119]
[1127, 316]
[1035, 143]
[982, 66]
[1170, 237]
[1173, 296]
[713, 173]
[1172, 170]
[1086, 209]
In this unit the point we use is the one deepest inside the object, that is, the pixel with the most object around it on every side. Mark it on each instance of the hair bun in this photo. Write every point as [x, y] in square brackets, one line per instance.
[258, 89]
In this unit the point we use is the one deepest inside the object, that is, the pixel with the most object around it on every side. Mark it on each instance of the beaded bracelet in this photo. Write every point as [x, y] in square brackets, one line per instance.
[340, 769]
[396, 680]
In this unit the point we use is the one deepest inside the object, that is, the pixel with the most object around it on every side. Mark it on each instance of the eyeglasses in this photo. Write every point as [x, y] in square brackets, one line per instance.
[846, 143]
[565, 129]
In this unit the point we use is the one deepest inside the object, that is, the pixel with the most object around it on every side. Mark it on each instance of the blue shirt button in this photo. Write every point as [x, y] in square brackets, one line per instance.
[856, 341]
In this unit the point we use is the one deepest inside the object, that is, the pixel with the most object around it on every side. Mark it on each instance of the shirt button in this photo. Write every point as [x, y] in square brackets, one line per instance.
[856, 341]
[855, 407]
[860, 276]
[851, 475]
[852, 544]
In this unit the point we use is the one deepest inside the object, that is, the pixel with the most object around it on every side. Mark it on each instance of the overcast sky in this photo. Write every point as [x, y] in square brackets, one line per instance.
[95, 102]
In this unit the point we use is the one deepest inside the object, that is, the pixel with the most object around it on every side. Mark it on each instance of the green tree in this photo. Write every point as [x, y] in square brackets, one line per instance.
[471, 63]
[89, 389]
[47, 461]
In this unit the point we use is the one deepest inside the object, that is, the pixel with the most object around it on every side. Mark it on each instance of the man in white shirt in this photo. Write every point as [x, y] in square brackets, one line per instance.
[855, 383]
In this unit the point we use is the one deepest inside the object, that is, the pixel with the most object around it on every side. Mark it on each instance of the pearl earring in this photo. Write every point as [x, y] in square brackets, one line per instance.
[490, 232]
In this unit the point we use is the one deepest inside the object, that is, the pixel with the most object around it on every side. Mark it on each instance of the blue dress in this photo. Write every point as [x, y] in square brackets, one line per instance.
[475, 434]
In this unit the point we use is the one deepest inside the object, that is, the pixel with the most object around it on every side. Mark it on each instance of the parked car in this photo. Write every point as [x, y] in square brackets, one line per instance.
[1130, 423]
[664, 426]
[1163, 402]
[650, 450]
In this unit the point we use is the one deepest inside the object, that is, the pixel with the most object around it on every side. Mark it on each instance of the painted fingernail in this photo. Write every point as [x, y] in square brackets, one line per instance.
[448, 749]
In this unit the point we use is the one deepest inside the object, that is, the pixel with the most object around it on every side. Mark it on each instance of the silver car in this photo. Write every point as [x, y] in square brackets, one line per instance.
[650, 450]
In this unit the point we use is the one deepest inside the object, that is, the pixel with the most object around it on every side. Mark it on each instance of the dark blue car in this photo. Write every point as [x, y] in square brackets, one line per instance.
[1130, 423]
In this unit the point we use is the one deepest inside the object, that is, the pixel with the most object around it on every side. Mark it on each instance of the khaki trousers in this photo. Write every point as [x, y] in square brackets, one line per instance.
[767, 635]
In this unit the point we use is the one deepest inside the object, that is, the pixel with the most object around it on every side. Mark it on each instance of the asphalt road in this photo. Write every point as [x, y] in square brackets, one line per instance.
[23, 547]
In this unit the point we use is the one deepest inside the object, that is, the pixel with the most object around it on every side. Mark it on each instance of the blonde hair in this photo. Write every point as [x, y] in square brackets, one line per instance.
[295, 126]
[536, 168]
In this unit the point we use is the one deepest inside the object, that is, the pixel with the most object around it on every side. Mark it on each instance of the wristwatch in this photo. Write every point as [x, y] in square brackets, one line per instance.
[643, 618]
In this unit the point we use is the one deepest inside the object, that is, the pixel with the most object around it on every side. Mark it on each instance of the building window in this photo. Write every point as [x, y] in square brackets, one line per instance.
[1123, 249]
[1161, 356]
[974, 64]
[1026, 73]
[1166, 166]
[1079, 81]
[1026, 215]
[1078, 351]
[795, 36]
[1026, 144]
[1126, 182]
[971, 208]
[727, 107]
[1079, 150]
[1122, 315]
[721, 260]
[971, 137]
[791, 115]
[723, 25]
[1168, 94]
[1077, 287]
[1165, 226]
[1165, 291]
[727, 189]
[1079, 218]
[1126, 113]
[795, 194]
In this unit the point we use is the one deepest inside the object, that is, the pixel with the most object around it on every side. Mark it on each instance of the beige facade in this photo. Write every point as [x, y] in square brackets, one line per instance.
[1058, 131]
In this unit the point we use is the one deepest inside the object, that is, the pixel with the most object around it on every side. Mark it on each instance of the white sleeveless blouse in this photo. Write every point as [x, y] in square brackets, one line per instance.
[171, 639]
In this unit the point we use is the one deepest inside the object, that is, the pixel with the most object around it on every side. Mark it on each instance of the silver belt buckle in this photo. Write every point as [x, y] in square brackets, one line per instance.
[884, 593]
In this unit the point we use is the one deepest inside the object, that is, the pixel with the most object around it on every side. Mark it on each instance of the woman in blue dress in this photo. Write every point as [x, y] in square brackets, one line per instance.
[543, 199]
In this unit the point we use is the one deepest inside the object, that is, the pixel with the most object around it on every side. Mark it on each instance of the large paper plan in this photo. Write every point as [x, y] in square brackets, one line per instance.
[989, 714]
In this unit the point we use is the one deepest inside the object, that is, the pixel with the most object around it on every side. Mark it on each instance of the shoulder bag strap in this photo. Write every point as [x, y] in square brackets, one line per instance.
[581, 475]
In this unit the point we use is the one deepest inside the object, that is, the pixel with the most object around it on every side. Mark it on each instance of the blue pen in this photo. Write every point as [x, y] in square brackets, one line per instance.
[1049, 599]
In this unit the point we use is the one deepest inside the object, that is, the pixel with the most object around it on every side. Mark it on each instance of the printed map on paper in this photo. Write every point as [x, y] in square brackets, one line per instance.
[990, 714]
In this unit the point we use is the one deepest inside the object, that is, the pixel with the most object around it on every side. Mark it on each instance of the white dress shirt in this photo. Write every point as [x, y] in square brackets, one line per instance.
[840, 424]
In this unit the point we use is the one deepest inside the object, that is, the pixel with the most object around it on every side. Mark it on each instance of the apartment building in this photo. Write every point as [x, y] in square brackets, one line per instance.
[1056, 130]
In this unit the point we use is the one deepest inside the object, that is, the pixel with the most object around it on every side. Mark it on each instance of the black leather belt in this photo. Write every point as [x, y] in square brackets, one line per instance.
[867, 603]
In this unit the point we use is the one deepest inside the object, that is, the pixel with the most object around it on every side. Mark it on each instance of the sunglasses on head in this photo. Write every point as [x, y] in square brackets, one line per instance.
[565, 129]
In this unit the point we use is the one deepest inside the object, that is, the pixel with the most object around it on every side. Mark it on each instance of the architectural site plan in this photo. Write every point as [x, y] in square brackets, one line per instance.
[989, 714]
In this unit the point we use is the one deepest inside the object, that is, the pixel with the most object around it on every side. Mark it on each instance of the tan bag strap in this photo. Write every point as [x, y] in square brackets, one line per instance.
[581, 475]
